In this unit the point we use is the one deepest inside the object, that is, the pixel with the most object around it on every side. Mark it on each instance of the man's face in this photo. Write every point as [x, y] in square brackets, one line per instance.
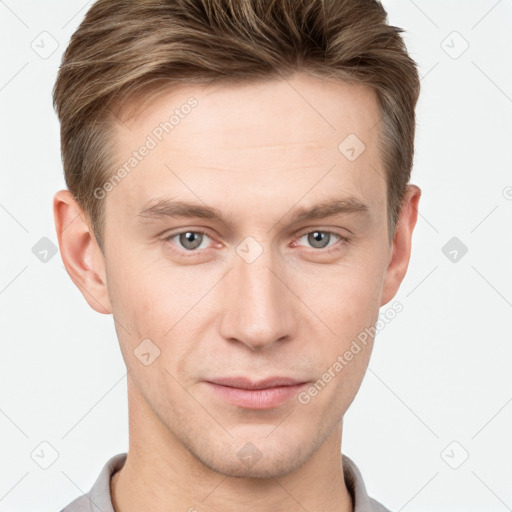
[261, 293]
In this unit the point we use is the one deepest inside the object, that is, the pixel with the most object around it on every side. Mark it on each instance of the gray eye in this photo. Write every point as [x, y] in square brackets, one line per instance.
[191, 240]
[319, 239]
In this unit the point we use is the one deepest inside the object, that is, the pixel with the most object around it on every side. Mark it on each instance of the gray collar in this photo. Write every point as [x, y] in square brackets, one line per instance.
[98, 499]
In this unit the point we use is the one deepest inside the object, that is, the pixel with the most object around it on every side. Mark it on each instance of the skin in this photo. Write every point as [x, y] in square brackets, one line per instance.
[256, 153]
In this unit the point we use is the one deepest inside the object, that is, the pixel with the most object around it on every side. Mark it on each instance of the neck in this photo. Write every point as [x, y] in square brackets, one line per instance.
[162, 474]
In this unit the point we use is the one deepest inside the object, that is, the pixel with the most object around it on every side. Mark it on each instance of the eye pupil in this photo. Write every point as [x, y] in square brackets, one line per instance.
[188, 242]
[317, 239]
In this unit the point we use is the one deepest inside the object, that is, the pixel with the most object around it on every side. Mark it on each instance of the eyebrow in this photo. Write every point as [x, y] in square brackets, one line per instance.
[169, 208]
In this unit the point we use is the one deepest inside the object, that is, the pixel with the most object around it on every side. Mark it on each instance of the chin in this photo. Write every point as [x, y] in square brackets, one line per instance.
[263, 458]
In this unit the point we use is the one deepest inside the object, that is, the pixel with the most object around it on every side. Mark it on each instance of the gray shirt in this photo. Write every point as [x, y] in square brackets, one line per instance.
[98, 498]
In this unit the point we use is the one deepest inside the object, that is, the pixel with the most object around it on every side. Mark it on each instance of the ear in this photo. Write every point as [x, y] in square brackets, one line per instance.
[402, 242]
[80, 252]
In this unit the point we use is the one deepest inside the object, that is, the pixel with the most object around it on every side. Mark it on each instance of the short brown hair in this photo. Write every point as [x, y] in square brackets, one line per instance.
[134, 48]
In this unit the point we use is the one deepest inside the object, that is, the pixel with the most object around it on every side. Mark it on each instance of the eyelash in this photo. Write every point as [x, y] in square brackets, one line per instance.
[195, 252]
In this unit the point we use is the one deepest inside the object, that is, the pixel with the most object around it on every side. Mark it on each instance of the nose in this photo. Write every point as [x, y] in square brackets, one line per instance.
[258, 309]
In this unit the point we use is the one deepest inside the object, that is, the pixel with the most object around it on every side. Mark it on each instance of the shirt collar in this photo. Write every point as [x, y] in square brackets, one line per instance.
[100, 498]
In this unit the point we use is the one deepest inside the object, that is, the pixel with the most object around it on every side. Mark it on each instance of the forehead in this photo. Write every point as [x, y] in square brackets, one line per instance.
[297, 109]
[273, 139]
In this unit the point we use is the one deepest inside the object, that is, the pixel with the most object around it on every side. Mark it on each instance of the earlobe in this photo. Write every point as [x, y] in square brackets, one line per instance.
[79, 250]
[402, 244]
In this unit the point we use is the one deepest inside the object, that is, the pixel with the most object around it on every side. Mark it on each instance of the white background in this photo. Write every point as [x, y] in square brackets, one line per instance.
[440, 371]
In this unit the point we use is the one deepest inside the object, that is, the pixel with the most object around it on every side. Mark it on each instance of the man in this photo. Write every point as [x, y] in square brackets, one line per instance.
[239, 200]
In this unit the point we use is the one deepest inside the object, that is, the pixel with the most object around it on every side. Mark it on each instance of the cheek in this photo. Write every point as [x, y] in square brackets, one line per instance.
[137, 292]
[347, 300]
[153, 300]
[140, 284]
[349, 306]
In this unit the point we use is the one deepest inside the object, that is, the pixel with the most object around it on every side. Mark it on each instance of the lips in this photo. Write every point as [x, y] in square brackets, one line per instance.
[245, 383]
[267, 393]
